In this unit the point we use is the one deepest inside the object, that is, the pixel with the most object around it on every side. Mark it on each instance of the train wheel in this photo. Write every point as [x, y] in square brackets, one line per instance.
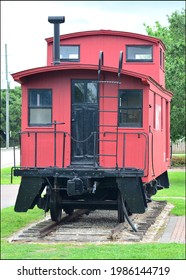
[68, 211]
[121, 217]
[55, 208]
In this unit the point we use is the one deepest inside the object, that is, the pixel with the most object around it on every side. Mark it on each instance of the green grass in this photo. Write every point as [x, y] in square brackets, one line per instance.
[93, 252]
[177, 185]
[6, 177]
[179, 206]
[13, 221]
[175, 194]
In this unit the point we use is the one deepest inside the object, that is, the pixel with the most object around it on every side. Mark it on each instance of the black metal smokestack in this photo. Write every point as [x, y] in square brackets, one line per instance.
[56, 44]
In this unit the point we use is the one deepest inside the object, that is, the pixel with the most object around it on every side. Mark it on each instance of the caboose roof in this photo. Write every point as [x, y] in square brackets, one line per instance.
[20, 76]
[109, 33]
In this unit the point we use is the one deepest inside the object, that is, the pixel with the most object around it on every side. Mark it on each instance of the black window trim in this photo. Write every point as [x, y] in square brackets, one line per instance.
[41, 107]
[161, 58]
[130, 125]
[138, 60]
[73, 59]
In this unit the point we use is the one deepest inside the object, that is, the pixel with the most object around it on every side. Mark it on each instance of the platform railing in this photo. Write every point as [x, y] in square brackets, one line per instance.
[96, 156]
[123, 149]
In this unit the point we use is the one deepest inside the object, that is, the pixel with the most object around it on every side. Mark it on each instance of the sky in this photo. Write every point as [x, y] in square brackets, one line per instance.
[24, 25]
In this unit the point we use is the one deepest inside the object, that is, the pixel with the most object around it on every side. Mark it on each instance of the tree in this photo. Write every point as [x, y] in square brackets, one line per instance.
[173, 37]
[15, 112]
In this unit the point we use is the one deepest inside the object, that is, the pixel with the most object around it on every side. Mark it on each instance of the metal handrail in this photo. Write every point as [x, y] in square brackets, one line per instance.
[95, 152]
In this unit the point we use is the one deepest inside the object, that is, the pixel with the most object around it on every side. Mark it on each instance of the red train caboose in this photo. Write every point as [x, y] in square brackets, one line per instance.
[95, 124]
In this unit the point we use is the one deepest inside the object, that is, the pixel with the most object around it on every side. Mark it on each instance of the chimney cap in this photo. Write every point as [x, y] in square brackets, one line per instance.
[56, 19]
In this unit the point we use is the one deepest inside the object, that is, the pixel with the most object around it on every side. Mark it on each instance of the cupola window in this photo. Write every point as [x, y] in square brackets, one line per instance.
[140, 53]
[69, 53]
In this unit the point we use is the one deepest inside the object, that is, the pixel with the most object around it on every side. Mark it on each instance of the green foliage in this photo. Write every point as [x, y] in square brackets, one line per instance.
[173, 37]
[178, 160]
[14, 112]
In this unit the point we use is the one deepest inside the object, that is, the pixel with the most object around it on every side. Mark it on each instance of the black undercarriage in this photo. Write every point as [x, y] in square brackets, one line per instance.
[66, 189]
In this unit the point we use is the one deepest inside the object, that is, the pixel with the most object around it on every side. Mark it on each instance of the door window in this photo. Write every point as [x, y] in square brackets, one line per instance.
[85, 92]
[91, 92]
[79, 93]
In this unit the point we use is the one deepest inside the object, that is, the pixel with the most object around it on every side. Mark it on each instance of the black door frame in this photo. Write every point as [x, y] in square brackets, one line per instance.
[86, 110]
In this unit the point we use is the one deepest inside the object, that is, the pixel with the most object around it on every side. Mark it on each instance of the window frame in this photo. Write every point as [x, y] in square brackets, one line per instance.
[138, 60]
[134, 108]
[48, 124]
[71, 59]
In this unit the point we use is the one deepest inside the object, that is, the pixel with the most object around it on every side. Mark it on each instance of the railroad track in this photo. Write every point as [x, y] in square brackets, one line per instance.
[50, 226]
[86, 226]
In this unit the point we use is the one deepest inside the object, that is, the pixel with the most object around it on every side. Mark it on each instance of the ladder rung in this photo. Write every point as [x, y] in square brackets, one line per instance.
[109, 82]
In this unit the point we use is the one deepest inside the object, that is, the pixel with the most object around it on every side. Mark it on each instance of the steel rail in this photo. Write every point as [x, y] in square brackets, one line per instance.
[49, 228]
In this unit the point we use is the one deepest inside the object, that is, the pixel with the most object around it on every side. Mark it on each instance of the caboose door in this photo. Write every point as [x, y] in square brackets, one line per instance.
[84, 121]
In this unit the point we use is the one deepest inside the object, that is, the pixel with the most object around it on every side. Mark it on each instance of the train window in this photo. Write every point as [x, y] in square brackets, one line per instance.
[85, 92]
[140, 53]
[39, 107]
[161, 58]
[130, 108]
[79, 92]
[69, 53]
[92, 92]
